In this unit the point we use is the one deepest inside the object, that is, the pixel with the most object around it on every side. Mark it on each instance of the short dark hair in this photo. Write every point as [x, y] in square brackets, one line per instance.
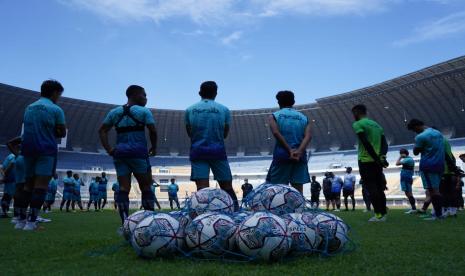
[360, 108]
[414, 123]
[404, 151]
[68, 172]
[133, 90]
[285, 98]
[172, 179]
[208, 89]
[49, 87]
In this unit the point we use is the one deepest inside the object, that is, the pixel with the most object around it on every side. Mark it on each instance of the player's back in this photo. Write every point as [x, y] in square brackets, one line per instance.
[292, 124]
[40, 121]
[207, 120]
[431, 142]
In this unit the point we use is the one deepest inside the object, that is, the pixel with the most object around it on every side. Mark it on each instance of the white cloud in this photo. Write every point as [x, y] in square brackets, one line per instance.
[450, 25]
[222, 11]
[234, 36]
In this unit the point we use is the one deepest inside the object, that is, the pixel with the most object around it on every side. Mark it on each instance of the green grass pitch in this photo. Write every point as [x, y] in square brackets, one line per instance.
[87, 244]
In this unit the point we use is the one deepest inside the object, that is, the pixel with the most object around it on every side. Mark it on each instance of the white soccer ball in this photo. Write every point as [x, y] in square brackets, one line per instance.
[263, 236]
[211, 235]
[332, 230]
[210, 200]
[183, 218]
[278, 199]
[157, 236]
[131, 222]
[302, 231]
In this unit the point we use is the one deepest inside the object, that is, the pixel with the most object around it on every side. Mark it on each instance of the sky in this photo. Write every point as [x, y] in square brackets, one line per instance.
[252, 49]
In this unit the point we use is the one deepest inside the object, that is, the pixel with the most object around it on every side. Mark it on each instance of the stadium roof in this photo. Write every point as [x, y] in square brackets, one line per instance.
[435, 94]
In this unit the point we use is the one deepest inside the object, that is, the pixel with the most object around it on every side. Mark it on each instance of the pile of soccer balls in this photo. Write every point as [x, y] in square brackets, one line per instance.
[273, 224]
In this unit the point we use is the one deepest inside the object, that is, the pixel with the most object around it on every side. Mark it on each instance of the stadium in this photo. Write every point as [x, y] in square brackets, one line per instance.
[276, 137]
[249, 147]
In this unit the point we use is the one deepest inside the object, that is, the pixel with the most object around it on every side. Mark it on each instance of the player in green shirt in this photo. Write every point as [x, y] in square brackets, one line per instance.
[372, 149]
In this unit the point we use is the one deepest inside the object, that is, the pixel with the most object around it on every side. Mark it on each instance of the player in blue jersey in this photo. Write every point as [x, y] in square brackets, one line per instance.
[153, 187]
[14, 146]
[68, 190]
[51, 193]
[348, 188]
[44, 122]
[9, 188]
[131, 154]
[430, 144]
[102, 191]
[173, 189]
[77, 192]
[115, 189]
[292, 132]
[406, 177]
[93, 193]
[336, 187]
[207, 124]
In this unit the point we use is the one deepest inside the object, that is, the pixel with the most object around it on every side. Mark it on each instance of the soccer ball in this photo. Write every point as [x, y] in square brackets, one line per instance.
[157, 236]
[241, 216]
[131, 222]
[332, 230]
[263, 236]
[211, 235]
[183, 218]
[302, 231]
[210, 200]
[278, 199]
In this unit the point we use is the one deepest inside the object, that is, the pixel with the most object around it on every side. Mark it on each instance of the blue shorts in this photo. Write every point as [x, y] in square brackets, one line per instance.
[102, 195]
[288, 172]
[93, 197]
[200, 170]
[431, 180]
[406, 186]
[68, 195]
[128, 166]
[41, 165]
[9, 188]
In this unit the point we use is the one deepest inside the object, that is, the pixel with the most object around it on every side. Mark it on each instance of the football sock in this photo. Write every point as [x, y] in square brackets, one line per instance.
[411, 199]
[353, 203]
[37, 200]
[123, 205]
[148, 200]
[426, 205]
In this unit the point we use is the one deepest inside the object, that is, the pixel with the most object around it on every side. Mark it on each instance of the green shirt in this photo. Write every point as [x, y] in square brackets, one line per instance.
[373, 131]
[449, 153]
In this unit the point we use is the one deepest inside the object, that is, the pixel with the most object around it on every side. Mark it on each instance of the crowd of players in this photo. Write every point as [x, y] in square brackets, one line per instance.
[207, 124]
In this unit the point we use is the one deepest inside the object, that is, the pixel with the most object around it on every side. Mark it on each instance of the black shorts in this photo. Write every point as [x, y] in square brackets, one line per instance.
[335, 196]
[328, 195]
[347, 193]
[315, 197]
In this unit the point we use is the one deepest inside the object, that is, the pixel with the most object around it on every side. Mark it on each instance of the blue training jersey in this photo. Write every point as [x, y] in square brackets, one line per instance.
[336, 184]
[349, 181]
[130, 128]
[93, 188]
[173, 189]
[9, 162]
[408, 166]
[207, 120]
[40, 121]
[292, 125]
[431, 143]
[102, 185]
[52, 187]
[115, 187]
[77, 185]
[68, 184]
[20, 170]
